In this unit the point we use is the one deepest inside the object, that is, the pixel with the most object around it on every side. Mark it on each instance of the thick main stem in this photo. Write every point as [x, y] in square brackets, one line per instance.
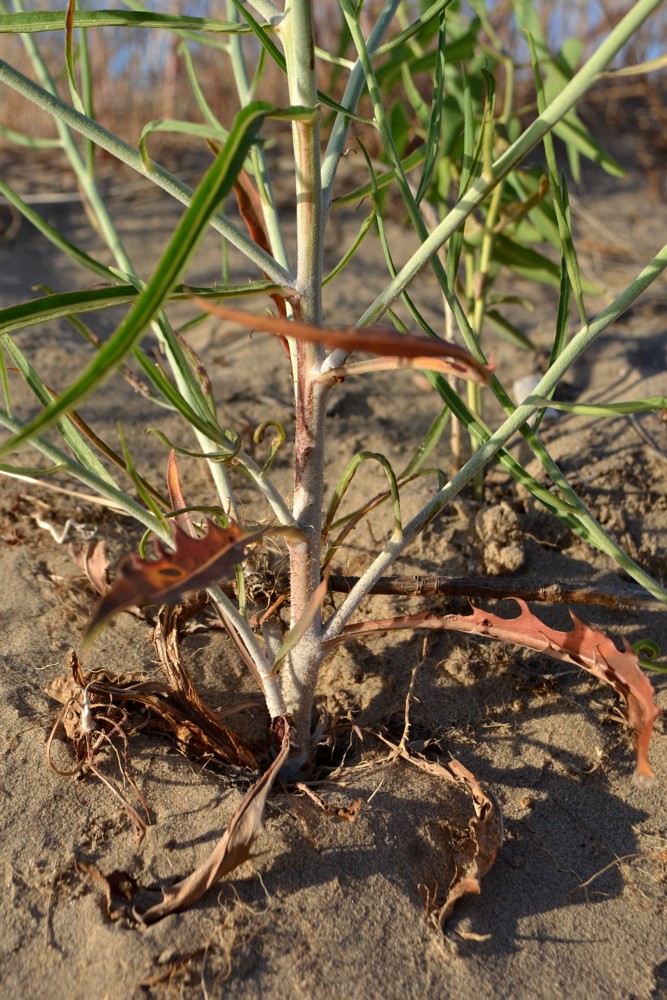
[300, 672]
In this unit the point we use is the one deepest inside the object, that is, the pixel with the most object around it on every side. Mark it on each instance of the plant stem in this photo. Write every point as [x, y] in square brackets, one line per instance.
[302, 666]
[127, 154]
[577, 346]
[350, 100]
[535, 132]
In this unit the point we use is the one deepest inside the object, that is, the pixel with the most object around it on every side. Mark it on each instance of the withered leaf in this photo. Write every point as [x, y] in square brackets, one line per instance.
[231, 850]
[584, 646]
[479, 850]
[484, 841]
[173, 708]
[194, 564]
[370, 340]
[92, 558]
[118, 887]
[347, 813]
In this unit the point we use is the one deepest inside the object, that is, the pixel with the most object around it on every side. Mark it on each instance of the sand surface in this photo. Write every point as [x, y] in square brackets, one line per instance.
[575, 904]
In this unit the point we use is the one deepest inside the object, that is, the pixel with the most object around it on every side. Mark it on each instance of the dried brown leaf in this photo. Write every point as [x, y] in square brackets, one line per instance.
[347, 813]
[370, 340]
[252, 213]
[584, 646]
[484, 842]
[172, 709]
[93, 560]
[198, 725]
[231, 850]
[480, 848]
[118, 887]
[194, 564]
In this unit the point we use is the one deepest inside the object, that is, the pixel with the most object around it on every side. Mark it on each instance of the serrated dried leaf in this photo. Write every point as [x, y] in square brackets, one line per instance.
[231, 850]
[584, 646]
[194, 564]
[588, 648]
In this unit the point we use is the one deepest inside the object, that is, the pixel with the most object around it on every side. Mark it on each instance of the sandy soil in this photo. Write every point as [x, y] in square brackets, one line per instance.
[575, 904]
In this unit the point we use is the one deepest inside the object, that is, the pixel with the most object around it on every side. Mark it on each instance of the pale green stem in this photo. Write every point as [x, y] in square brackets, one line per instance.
[274, 700]
[353, 92]
[258, 157]
[115, 496]
[533, 135]
[577, 346]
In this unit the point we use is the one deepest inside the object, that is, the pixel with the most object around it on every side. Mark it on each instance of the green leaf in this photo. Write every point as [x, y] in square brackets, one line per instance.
[79, 446]
[66, 304]
[43, 20]
[214, 187]
[434, 125]
[531, 264]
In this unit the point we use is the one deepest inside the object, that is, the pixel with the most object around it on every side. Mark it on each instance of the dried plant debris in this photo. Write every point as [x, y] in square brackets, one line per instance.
[347, 813]
[90, 725]
[478, 849]
[584, 646]
[118, 887]
[92, 559]
[231, 850]
[200, 727]
[194, 564]
[144, 703]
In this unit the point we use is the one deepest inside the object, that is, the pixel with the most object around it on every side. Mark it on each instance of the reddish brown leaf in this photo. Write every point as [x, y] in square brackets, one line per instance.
[584, 646]
[484, 841]
[371, 340]
[252, 213]
[194, 564]
[184, 521]
[231, 850]
[250, 207]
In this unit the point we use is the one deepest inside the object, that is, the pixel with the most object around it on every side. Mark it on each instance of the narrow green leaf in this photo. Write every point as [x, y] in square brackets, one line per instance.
[427, 444]
[177, 127]
[69, 56]
[214, 187]
[509, 331]
[72, 438]
[349, 254]
[44, 20]
[117, 498]
[605, 409]
[65, 304]
[434, 126]
[29, 141]
[383, 180]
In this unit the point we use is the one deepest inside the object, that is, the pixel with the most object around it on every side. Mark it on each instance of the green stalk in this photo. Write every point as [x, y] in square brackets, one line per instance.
[257, 154]
[577, 346]
[482, 187]
[353, 92]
